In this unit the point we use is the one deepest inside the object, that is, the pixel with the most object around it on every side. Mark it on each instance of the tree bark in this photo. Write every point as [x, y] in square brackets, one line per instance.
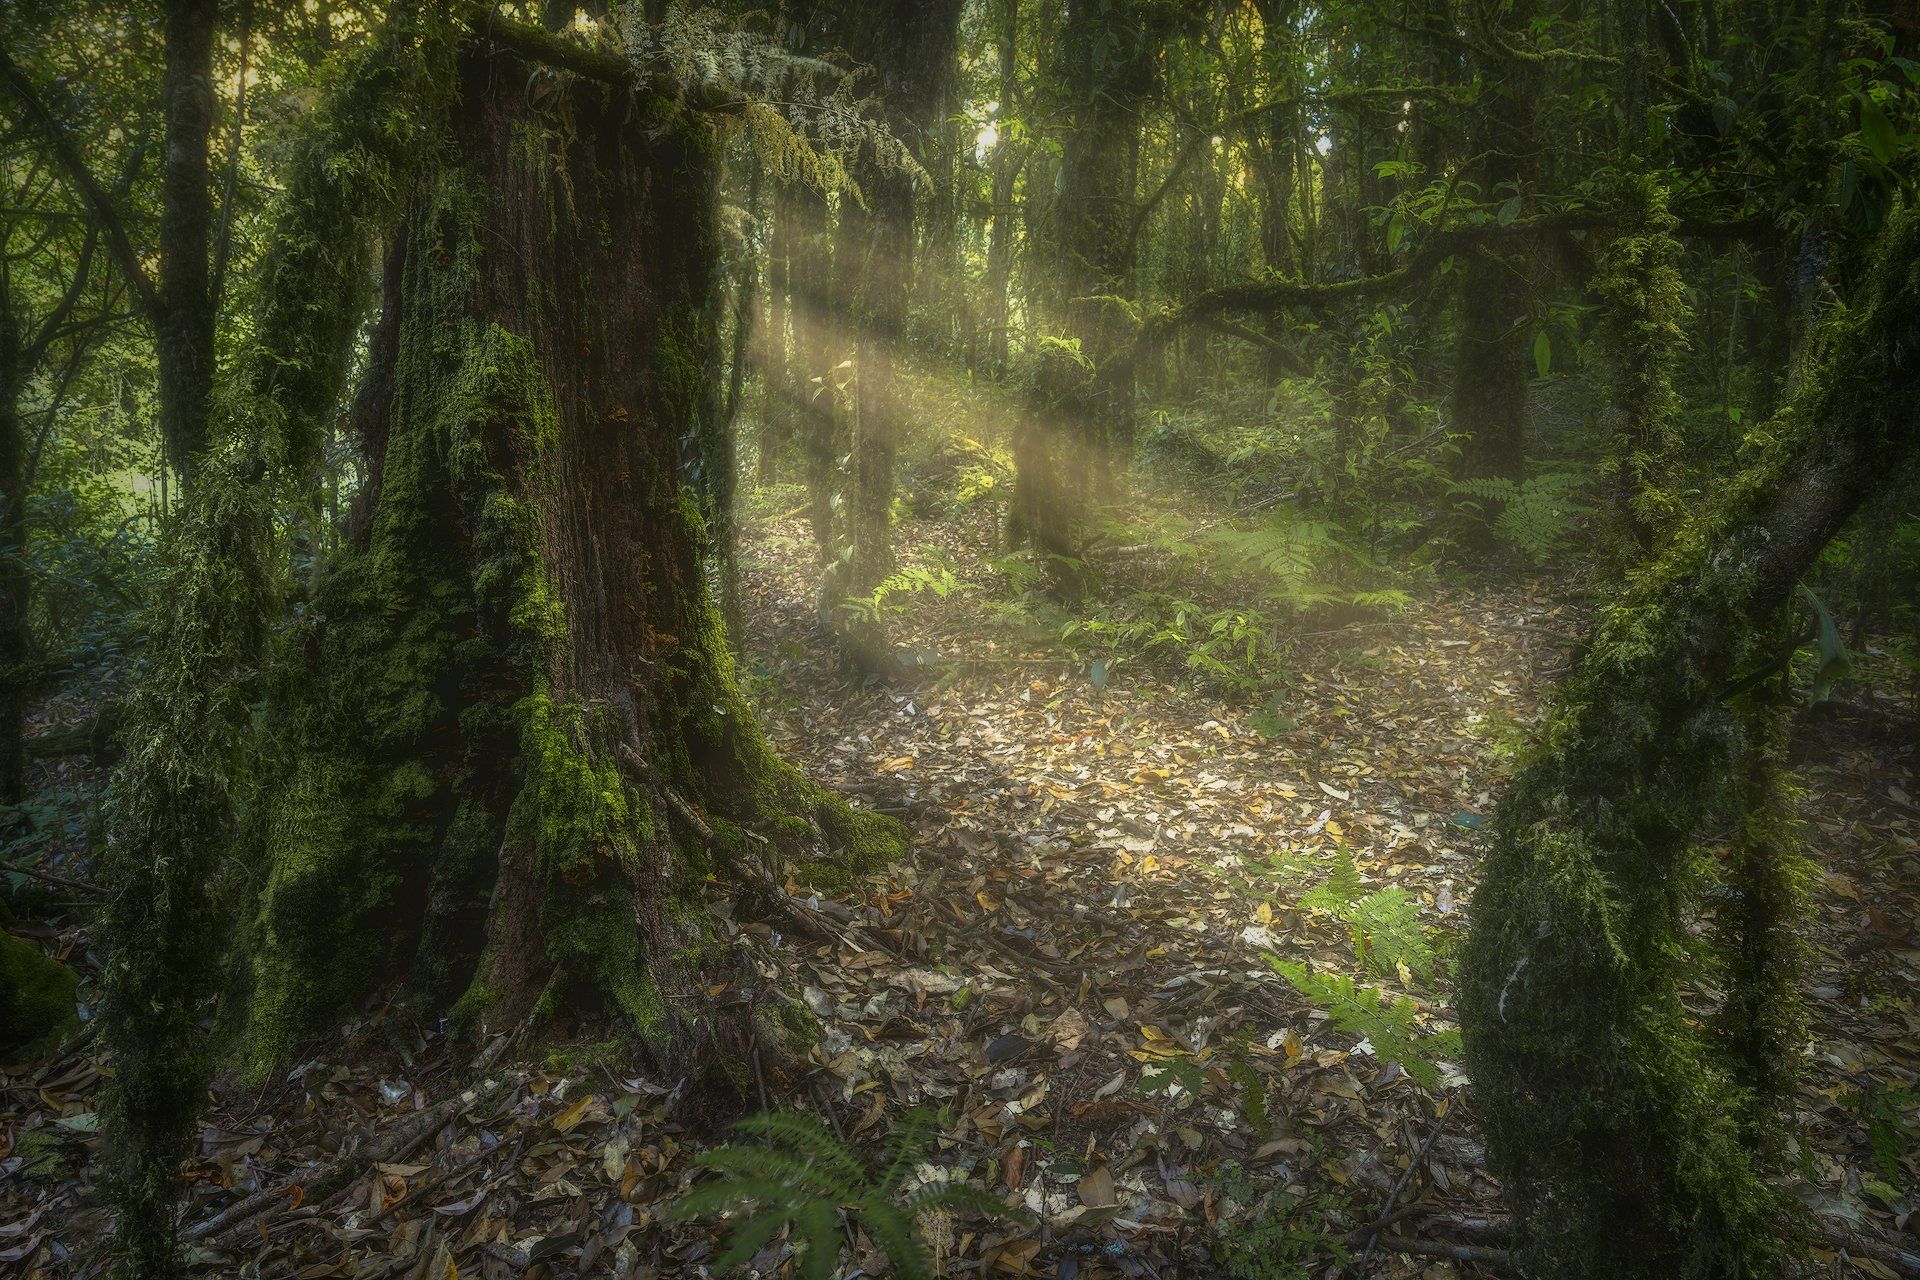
[911, 44]
[186, 302]
[515, 689]
[1105, 68]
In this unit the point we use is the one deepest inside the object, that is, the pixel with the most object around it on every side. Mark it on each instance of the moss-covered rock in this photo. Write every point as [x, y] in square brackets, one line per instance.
[36, 999]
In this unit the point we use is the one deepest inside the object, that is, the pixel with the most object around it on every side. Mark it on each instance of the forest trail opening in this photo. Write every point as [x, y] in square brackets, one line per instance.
[1074, 962]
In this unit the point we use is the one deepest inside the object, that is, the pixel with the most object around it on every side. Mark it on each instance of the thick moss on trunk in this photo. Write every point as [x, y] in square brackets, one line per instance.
[1643, 296]
[36, 1000]
[170, 847]
[514, 688]
[1614, 1121]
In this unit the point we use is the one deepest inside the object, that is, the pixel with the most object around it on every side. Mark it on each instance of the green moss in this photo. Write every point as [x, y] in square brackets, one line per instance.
[1620, 1128]
[397, 733]
[1643, 300]
[799, 1022]
[36, 999]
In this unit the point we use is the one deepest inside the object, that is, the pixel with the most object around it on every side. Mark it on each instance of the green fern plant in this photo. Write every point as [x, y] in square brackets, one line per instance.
[1341, 889]
[1388, 936]
[889, 597]
[799, 1177]
[1538, 516]
[1385, 1023]
[1385, 927]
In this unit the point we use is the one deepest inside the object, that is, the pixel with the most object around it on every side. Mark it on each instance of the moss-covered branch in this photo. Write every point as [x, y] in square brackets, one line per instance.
[1613, 1120]
[1643, 300]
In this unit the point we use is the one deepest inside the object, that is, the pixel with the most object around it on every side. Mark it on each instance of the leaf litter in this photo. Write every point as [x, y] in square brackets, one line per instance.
[1073, 966]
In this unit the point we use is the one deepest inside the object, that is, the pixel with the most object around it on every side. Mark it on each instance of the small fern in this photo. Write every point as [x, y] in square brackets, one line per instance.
[1388, 937]
[937, 580]
[801, 1178]
[1340, 890]
[1538, 516]
[1385, 1023]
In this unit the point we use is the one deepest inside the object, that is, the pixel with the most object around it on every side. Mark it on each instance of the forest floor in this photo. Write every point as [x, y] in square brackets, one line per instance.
[1075, 962]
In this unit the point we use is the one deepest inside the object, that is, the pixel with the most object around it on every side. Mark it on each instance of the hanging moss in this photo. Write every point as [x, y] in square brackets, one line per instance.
[1613, 1119]
[1643, 299]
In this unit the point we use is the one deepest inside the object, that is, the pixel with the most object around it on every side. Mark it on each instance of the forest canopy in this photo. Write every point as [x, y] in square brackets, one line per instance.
[932, 637]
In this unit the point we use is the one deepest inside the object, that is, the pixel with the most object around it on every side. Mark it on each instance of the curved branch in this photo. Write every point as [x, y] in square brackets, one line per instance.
[86, 186]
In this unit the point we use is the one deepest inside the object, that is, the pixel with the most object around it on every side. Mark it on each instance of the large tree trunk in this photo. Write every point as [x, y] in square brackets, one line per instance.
[1617, 1128]
[514, 717]
[1006, 170]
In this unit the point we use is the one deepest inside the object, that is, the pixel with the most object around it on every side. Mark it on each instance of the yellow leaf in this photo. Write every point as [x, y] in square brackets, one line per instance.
[573, 1115]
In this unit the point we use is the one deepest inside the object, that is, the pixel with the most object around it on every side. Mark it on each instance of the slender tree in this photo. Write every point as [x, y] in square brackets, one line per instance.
[911, 46]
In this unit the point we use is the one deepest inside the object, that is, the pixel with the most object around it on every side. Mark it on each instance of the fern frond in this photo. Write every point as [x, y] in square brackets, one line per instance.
[1341, 888]
[896, 1234]
[965, 1197]
[797, 1172]
[808, 1137]
[818, 1230]
[725, 1195]
[1387, 933]
[1386, 1024]
[749, 1235]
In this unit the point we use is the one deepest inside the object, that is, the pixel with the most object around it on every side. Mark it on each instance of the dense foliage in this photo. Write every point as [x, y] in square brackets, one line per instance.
[383, 389]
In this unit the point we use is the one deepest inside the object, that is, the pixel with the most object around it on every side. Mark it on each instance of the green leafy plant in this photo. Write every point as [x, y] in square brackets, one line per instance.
[1388, 938]
[799, 1177]
[1385, 1023]
[1539, 516]
[890, 598]
[1890, 1130]
[1268, 1232]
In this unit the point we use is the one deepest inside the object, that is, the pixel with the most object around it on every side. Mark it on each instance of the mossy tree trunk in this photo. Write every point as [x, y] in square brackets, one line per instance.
[1644, 308]
[513, 743]
[1621, 1131]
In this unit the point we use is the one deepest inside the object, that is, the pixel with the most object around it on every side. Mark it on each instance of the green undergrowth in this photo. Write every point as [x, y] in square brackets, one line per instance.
[36, 1000]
